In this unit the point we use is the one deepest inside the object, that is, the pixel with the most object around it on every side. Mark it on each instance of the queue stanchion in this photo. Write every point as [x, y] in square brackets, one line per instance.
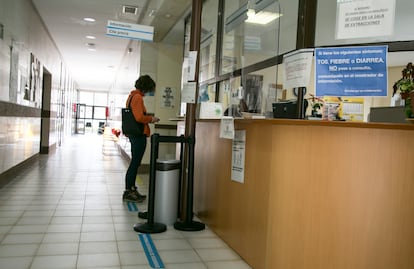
[150, 226]
[188, 224]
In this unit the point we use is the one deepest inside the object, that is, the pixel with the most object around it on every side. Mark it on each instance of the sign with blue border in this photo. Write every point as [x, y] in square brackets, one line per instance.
[351, 71]
[130, 30]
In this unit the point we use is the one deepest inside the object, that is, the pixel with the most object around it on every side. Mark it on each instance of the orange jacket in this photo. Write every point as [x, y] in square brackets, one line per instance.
[138, 109]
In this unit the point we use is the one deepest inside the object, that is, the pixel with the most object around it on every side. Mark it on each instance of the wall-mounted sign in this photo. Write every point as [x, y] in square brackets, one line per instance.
[364, 18]
[168, 96]
[351, 71]
[129, 30]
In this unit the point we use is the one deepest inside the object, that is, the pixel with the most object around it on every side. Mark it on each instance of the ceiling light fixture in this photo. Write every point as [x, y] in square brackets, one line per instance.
[89, 19]
[90, 37]
[91, 46]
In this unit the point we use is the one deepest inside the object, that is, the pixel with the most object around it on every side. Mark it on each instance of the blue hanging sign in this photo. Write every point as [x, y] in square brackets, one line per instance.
[351, 71]
[130, 30]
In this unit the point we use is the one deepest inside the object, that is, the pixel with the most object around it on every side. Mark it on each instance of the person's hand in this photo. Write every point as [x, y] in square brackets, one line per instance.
[155, 119]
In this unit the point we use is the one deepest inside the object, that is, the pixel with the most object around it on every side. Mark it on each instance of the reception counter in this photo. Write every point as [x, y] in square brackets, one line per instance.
[316, 194]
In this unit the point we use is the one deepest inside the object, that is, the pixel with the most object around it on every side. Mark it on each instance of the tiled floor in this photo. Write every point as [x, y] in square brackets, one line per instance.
[66, 211]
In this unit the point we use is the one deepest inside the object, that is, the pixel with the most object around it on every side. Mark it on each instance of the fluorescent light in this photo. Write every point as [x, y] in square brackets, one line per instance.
[262, 17]
[90, 37]
[89, 19]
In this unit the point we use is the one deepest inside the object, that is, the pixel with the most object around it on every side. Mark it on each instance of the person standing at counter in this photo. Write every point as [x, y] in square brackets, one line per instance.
[135, 101]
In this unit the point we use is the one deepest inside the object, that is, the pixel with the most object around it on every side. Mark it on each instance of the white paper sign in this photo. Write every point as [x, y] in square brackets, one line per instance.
[227, 127]
[192, 63]
[238, 156]
[297, 67]
[188, 92]
[364, 18]
[211, 110]
[130, 30]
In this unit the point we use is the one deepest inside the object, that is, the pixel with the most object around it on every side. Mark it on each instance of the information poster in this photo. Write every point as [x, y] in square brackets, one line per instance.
[167, 100]
[297, 68]
[351, 71]
[364, 18]
[238, 156]
[343, 108]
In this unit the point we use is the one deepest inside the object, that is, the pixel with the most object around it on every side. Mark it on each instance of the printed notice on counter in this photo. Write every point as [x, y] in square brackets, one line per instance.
[238, 156]
[364, 18]
[351, 71]
[227, 127]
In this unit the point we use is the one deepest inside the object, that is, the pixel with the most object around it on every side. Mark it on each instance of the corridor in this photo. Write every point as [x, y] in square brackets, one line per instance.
[66, 211]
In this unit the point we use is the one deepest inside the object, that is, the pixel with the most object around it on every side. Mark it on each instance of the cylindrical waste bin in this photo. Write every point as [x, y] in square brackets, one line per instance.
[167, 179]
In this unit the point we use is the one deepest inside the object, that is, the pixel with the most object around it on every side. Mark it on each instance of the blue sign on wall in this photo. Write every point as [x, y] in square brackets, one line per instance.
[351, 71]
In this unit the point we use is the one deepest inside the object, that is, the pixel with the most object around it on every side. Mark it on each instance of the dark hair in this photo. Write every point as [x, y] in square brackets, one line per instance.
[145, 83]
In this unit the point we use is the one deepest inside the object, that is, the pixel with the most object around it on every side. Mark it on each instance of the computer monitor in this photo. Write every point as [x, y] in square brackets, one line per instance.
[285, 110]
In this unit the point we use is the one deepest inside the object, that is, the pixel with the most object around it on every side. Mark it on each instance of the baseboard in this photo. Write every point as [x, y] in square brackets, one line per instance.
[7, 176]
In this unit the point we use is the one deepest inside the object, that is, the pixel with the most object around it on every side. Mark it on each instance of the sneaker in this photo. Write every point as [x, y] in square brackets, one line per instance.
[133, 196]
[139, 194]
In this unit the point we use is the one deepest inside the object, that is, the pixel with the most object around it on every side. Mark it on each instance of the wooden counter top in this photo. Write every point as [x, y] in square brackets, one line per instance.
[348, 124]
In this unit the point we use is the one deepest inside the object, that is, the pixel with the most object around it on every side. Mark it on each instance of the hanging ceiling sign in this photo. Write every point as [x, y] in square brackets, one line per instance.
[351, 71]
[364, 18]
[129, 30]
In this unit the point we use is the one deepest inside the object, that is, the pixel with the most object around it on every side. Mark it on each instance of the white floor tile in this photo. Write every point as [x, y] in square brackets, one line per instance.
[18, 250]
[58, 249]
[179, 256]
[97, 247]
[54, 262]
[15, 262]
[66, 220]
[172, 244]
[23, 239]
[130, 246]
[207, 243]
[133, 258]
[98, 260]
[61, 237]
[105, 227]
[228, 265]
[64, 228]
[28, 229]
[98, 236]
[217, 254]
[34, 220]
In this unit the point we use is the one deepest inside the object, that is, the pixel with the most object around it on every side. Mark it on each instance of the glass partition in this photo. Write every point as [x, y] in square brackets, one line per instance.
[250, 33]
[208, 40]
[252, 30]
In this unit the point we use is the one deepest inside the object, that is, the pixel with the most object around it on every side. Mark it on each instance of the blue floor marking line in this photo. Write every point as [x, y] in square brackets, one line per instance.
[151, 252]
[132, 206]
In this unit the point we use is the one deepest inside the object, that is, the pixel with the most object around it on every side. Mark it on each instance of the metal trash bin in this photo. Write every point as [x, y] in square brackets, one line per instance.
[167, 179]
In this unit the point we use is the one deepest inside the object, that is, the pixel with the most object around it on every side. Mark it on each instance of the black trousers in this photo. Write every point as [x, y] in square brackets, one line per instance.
[138, 146]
